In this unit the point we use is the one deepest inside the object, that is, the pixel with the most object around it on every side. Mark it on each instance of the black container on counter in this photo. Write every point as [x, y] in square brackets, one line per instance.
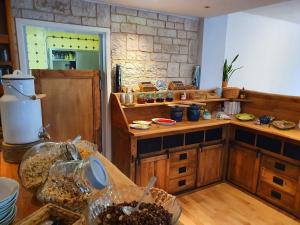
[193, 112]
[176, 113]
[118, 79]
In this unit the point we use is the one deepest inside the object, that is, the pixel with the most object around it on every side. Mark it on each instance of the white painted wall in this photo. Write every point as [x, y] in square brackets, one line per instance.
[269, 53]
[213, 50]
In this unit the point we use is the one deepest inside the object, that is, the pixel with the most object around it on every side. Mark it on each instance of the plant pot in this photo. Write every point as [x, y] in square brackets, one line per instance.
[224, 84]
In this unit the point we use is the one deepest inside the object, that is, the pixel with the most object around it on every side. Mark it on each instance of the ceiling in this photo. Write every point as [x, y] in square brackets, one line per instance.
[192, 7]
[289, 11]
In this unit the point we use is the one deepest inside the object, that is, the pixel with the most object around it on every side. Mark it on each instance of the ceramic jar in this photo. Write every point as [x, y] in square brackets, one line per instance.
[176, 113]
[193, 112]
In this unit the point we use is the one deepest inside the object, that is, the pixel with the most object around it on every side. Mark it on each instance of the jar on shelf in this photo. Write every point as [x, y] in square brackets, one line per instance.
[169, 97]
[71, 184]
[159, 97]
[150, 98]
[141, 99]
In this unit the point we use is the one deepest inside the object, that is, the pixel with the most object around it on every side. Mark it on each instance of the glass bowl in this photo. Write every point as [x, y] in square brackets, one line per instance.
[98, 203]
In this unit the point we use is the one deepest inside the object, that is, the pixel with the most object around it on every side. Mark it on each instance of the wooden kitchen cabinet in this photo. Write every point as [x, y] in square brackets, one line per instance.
[72, 103]
[243, 167]
[153, 166]
[210, 164]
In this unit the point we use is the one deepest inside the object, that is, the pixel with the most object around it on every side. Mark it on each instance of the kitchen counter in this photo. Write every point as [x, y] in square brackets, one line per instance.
[27, 204]
[293, 134]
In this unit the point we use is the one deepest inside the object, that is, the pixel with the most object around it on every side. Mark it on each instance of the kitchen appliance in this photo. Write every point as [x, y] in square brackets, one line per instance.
[21, 115]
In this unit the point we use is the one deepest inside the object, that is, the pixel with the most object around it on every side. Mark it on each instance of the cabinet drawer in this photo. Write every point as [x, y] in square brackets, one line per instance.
[281, 167]
[276, 196]
[279, 181]
[182, 170]
[181, 184]
[183, 156]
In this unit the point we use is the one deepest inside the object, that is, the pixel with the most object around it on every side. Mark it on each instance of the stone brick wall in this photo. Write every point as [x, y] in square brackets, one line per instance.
[148, 45]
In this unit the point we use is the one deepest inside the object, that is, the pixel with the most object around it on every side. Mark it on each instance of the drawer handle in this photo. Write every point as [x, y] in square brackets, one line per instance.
[182, 169]
[279, 166]
[278, 181]
[181, 183]
[183, 156]
[276, 194]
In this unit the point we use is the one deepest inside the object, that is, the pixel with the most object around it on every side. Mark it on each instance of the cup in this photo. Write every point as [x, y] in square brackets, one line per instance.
[122, 98]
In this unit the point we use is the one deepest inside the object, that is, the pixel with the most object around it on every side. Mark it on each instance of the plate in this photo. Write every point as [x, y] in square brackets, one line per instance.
[245, 116]
[164, 121]
[9, 217]
[139, 126]
[283, 124]
[142, 122]
[8, 190]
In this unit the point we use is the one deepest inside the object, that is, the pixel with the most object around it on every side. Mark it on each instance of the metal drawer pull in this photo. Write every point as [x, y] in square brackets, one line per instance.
[278, 181]
[276, 194]
[181, 183]
[279, 166]
[183, 156]
[182, 169]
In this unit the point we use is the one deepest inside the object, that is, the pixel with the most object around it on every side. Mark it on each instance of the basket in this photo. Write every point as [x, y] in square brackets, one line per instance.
[231, 92]
[160, 196]
[52, 211]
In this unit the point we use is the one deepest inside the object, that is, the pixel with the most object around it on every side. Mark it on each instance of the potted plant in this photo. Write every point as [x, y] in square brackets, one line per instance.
[228, 70]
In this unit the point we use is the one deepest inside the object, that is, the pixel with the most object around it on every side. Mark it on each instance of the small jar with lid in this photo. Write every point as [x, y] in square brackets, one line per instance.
[150, 98]
[141, 99]
[159, 97]
[169, 97]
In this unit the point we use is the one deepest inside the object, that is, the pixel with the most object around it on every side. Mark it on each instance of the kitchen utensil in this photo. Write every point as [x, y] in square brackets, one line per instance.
[20, 109]
[176, 113]
[283, 124]
[193, 112]
[128, 209]
[139, 126]
[163, 121]
[245, 116]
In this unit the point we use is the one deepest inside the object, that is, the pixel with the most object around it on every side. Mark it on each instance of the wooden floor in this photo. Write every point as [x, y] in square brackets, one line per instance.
[224, 204]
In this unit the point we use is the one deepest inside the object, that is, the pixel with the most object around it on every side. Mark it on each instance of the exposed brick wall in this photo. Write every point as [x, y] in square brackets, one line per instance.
[148, 45]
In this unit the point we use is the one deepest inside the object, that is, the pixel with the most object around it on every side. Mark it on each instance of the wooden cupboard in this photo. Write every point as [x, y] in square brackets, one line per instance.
[153, 166]
[243, 167]
[210, 164]
[72, 103]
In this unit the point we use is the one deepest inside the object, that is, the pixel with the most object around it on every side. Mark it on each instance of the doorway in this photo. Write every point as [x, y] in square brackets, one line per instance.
[55, 53]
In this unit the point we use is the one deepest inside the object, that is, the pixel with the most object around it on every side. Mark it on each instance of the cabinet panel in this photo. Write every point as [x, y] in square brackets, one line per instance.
[243, 167]
[184, 156]
[181, 184]
[173, 141]
[149, 145]
[292, 151]
[278, 181]
[276, 196]
[213, 134]
[269, 143]
[280, 167]
[182, 170]
[153, 166]
[210, 164]
[194, 137]
[245, 136]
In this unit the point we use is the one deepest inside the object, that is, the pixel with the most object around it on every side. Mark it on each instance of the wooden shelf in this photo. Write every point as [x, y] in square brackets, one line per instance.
[184, 102]
[4, 39]
[8, 63]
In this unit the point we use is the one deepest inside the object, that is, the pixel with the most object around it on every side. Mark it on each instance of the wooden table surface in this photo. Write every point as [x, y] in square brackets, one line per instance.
[27, 204]
[156, 129]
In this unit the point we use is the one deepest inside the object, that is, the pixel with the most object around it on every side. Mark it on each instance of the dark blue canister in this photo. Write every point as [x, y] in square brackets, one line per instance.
[176, 113]
[193, 112]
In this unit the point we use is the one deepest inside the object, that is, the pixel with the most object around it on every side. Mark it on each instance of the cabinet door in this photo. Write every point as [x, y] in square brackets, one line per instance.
[72, 103]
[243, 167]
[210, 164]
[154, 166]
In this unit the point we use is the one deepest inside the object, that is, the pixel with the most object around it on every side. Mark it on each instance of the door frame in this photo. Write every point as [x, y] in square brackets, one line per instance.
[105, 78]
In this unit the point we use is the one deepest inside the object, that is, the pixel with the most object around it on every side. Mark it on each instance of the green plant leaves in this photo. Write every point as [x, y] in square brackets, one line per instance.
[228, 70]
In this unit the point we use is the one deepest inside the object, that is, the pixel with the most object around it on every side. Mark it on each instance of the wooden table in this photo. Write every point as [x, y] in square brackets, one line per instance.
[27, 203]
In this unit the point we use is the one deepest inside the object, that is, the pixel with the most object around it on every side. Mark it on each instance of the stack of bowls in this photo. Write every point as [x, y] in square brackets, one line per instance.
[9, 191]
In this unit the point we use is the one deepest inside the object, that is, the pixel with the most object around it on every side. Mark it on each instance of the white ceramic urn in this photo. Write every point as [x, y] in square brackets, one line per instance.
[21, 115]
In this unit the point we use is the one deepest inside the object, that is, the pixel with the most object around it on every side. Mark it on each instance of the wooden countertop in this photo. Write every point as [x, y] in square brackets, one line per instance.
[156, 129]
[27, 204]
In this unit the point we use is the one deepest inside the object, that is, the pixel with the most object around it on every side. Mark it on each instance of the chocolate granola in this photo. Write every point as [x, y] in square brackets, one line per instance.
[148, 214]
